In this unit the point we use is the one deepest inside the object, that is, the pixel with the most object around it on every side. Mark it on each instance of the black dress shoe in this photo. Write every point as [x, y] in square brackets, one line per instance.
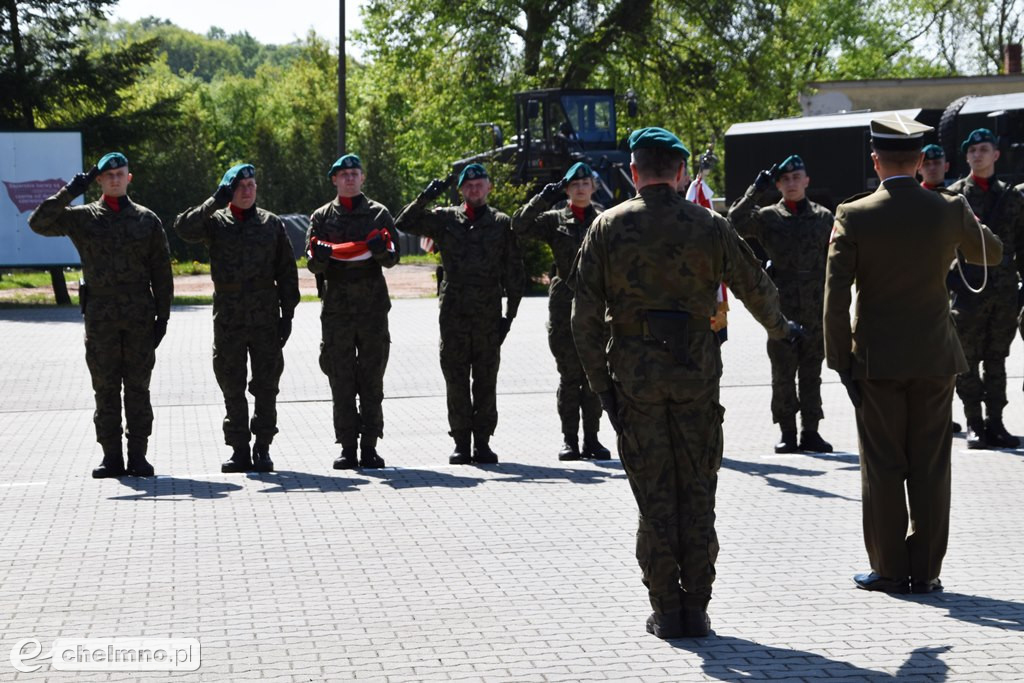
[933, 586]
[876, 582]
[788, 443]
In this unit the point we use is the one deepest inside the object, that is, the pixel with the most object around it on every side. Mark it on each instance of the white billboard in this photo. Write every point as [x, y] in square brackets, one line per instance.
[34, 166]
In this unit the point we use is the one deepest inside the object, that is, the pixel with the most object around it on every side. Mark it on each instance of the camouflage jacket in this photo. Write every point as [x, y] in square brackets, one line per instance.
[352, 287]
[562, 232]
[659, 252]
[251, 262]
[1001, 209]
[481, 258]
[125, 259]
[797, 244]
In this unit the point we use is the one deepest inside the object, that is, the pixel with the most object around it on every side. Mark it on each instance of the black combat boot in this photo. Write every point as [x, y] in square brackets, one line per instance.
[138, 466]
[261, 461]
[593, 449]
[113, 462]
[996, 434]
[810, 439]
[461, 454]
[788, 444]
[240, 461]
[570, 448]
[347, 459]
[368, 456]
[976, 434]
[695, 622]
[482, 453]
[957, 427]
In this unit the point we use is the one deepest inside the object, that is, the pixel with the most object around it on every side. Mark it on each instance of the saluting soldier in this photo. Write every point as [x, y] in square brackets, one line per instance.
[987, 321]
[482, 263]
[256, 290]
[899, 364]
[794, 233]
[350, 240]
[126, 301]
[564, 229]
[652, 267]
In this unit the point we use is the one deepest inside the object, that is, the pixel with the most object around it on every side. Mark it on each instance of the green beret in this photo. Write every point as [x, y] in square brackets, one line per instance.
[472, 172]
[578, 171]
[792, 163]
[656, 138]
[112, 160]
[933, 151]
[347, 161]
[977, 137]
[237, 172]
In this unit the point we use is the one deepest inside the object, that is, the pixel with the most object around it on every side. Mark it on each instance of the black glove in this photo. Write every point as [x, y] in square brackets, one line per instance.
[159, 330]
[435, 189]
[284, 330]
[224, 193]
[552, 192]
[611, 408]
[503, 327]
[81, 182]
[852, 388]
[794, 332]
[765, 178]
[321, 251]
[376, 243]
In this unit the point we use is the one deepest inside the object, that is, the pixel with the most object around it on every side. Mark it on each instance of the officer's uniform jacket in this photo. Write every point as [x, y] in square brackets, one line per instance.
[252, 264]
[896, 244]
[126, 262]
[353, 287]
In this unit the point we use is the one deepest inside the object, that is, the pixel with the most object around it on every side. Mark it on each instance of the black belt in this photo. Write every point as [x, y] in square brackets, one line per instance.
[113, 290]
[247, 285]
[641, 329]
[350, 274]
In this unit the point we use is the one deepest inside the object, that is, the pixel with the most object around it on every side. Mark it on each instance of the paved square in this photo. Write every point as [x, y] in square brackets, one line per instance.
[522, 571]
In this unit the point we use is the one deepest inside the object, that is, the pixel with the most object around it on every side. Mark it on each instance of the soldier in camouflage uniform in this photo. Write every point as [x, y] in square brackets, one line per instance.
[350, 240]
[256, 290]
[987, 322]
[652, 265]
[794, 232]
[482, 263]
[563, 229]
[126, 300]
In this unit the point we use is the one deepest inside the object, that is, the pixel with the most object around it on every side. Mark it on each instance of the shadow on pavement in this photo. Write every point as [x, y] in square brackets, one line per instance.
[771, 471]
[736, 659]
[974, 609]
[402, 478]
[167, 487]
[286, 481]
[571, 475]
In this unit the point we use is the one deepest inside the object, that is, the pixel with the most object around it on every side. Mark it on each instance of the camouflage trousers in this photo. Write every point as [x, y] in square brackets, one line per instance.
[235, 347]
[671, 449]
[120, 354]
[790, 361]
[986, 324]
[470, 354]
[574, 394]
[354, 354]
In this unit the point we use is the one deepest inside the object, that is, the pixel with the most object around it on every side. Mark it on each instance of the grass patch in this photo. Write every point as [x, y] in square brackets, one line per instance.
[23, 278]
[420, 259]
[190, 268]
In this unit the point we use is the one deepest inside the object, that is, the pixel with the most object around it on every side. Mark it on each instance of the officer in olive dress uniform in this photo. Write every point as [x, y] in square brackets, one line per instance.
[126, 301]
[652, 267]
[900, 363]
[256, 290]
[482, 263]
[350, 240]
[987, 321]
[794, 232]
[564, 229]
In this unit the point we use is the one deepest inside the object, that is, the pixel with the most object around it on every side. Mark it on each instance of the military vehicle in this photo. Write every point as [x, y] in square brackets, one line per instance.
[837, 148]
[555, 128]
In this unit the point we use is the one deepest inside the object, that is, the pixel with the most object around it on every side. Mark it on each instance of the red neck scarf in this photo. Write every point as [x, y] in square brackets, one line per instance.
[346, 202]
[470, 211]
[578, 211]
[926, 186]
[981, 182]
[241, 214]
[792, 206]
[113, 202]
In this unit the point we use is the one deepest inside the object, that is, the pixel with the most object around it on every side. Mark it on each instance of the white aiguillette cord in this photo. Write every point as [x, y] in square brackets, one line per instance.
[984, 261]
